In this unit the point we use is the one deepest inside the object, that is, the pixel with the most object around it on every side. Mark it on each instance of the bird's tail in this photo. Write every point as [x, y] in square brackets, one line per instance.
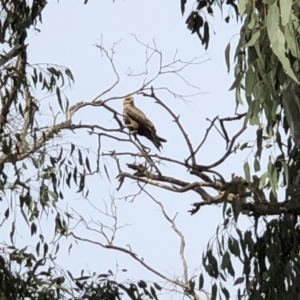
[157, 140]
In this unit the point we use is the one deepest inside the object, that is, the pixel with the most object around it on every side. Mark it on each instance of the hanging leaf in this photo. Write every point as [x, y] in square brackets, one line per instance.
[87, 162]
[226, 293]
[206, 35]
[247, 171]
[72, 149]
[285, 170]
[80, 157]
[277, 39]
[259, 140]
[253, 39]
[289, 34]
[59, 98]
[214, 291]
[81, 183]
[285, 11]
[262, 180]
[239, 280]
[242, 6]
[273, 177]
[182, 2]
[256, 165]
[227, 57]
[201, 282]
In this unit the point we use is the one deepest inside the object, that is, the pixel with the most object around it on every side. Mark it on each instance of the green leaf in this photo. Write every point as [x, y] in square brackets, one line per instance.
[75, 175]
[214, 291]
[201, 281]
[68, 179]
[1, 185]
[253, 21]
[59, 98]
[256, 165]
[285, 11]
[225, 261]
[6, 214]
[242, 6]
[253, 39]
[234, 247]
[33, 229]
[142, 284]
[269, 1]
[285, 170]
[54, 71]
[277, 39]
[69, 74]
[40, 77]
[192, 285]
[236, 209]
[87, 163]
[237, 81]
[262, 179]
[249, 81]
[53, 195]
[56, 249]
[290, 38]
[239, 280]
[72, 149]
[153, 292]
[80, 157]
[225, 292]
[256, 110]
[227, 57]
[243, 146]
[247, 171]
[81, 183]
[259, 141]
[37, 248]
[35, 163]
[238, 97]
[273, 177]
[157, 286]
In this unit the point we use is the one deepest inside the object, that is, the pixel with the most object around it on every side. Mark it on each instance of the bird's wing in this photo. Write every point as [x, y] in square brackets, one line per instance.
[137, 115]
[126, 119]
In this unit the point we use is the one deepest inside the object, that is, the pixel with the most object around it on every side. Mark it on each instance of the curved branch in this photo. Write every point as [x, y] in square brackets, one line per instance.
[134, 256]
[176, 120]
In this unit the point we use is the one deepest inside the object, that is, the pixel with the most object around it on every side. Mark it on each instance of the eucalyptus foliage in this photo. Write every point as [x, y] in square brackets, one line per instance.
[267, 76]
[33, 172]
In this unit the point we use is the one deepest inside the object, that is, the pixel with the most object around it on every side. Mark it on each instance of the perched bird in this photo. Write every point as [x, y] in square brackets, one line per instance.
[137, 121]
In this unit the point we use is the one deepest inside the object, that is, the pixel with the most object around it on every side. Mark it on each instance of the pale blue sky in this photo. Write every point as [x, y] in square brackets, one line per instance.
[68, 33]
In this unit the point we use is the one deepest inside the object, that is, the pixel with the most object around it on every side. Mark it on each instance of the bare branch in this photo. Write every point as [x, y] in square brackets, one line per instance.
[134, 256]
[178, 232]
[227, 153]
[176, 120]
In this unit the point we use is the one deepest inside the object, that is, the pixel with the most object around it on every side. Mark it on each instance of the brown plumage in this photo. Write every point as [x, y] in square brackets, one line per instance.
[137, 121]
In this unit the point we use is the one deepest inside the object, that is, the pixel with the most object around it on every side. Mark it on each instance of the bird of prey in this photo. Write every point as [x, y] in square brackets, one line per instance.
[137, 121]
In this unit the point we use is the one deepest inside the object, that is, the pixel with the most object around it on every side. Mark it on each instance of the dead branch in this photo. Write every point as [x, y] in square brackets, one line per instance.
[204, 139]
[175, 119]
[227, 153]
[177, 231]
[134, 256]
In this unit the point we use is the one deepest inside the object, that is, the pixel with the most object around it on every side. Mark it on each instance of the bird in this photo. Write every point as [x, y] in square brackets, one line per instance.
[138, 122]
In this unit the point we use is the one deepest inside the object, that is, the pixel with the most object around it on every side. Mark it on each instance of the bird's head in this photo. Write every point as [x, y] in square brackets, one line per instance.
[128, 100]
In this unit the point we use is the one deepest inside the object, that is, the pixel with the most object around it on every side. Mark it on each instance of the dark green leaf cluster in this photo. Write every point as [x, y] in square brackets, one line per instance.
[197, 21]
[267, 76]
[42, 281]
[270, 261]
[25, 147]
